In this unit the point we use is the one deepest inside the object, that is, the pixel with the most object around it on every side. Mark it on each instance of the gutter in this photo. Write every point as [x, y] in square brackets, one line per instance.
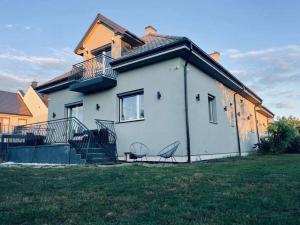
[256, 125]
[237, 125]
[186, 105]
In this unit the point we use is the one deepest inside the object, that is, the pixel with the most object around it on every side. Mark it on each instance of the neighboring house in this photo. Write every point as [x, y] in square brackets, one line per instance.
[158, 89]
[21, 109]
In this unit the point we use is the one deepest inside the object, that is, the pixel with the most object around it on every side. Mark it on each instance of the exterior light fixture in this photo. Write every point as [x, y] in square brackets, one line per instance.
[158, 95]
[198, 97]
[97, 107]
[225, 108]
[239, 114]
[53, 115]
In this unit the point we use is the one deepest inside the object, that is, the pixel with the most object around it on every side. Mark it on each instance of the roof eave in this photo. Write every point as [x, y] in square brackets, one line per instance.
[227, 78]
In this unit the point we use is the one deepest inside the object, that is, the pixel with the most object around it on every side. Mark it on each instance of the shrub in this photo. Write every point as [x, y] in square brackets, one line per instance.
[283, 137]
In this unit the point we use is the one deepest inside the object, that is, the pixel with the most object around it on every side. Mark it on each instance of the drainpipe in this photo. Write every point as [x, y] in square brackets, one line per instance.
[186, 105]
[256, 125]
[237, 125]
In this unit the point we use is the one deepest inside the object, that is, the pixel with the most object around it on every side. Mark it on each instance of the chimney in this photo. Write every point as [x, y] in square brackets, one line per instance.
[150, 30]
[34, 84]
[215, 56]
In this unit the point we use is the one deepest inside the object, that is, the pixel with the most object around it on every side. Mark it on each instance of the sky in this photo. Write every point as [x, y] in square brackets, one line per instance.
[259, 40]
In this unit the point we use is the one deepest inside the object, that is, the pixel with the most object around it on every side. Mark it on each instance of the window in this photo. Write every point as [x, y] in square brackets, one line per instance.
[22, 122]
[131, 106]
[212, 109]
[4, 125]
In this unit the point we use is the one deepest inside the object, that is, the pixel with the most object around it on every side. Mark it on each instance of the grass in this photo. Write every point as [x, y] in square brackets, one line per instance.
[254, 190]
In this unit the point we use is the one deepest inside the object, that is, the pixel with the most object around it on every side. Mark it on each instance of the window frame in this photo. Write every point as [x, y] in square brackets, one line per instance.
[137, 93]
[212, 109]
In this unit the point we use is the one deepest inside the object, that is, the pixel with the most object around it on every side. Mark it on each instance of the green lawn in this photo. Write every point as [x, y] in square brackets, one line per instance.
[254, 190]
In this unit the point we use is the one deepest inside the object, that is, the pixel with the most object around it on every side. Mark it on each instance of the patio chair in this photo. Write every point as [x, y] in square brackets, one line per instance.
[169, 151]
[138, 150]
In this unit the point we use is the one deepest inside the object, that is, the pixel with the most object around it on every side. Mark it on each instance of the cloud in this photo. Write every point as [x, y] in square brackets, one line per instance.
[13, 82]
[273, 73]
[27, 27]
[9, 26]
[18, 69]
[60, 58]
[290, 49]
[284, 105]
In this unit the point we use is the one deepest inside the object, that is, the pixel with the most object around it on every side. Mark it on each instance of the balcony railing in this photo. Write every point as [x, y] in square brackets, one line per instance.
[92, 68]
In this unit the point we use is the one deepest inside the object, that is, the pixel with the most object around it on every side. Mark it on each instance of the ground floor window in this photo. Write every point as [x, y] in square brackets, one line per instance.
[75, 110]
[131, 106]
[212, 109]
[4, 125]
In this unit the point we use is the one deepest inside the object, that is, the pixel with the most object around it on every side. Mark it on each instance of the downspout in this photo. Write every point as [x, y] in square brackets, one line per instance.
[237, 125]
[256, 125]
[186, 105]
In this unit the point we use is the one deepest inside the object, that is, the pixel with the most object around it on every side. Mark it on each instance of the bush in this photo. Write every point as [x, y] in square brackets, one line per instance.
[283, 137]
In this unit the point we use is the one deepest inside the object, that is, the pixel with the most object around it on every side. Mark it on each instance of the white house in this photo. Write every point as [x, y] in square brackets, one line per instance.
[158, 89]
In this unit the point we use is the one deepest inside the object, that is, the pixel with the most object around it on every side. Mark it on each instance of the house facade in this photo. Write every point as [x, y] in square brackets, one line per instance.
[158, 89]
[20, 108]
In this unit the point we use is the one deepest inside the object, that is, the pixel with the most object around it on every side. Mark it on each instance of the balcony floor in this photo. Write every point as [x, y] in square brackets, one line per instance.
[93, 85]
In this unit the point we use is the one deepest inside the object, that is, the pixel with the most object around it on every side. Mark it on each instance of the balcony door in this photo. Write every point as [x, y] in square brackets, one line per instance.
[75, 110]
[103, 58]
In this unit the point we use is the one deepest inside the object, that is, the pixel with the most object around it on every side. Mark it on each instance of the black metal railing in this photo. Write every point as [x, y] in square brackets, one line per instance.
[106, 130]
[60, 131]
[91, 68]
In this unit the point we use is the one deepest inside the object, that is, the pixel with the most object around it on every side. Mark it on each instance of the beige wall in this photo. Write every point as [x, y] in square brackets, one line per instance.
[100, 36]
[14, 120]
[36, 106]
[262, 122]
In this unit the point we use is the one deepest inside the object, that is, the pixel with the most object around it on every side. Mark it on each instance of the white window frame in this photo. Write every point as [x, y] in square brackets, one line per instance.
[138, 94]
[212, 109]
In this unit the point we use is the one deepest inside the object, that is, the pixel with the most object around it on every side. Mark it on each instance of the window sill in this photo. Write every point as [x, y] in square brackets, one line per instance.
[213, 122]
[130, 121]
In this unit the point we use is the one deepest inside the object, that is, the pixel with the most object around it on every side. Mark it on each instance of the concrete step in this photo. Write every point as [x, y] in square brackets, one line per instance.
[100, 161]
[96, 155]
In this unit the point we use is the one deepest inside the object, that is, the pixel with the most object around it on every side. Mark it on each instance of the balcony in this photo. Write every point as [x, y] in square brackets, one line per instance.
[93, 75]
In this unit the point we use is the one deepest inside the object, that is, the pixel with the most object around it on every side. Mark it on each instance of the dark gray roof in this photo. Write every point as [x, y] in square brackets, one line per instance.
[12, 103]
[152, 41]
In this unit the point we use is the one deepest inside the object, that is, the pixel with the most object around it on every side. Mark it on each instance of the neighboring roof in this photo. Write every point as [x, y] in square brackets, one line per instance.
[115, 27]
[12, 103]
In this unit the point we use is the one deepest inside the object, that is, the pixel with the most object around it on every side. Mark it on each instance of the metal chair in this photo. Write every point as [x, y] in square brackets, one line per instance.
[138, 150]
[169, 151]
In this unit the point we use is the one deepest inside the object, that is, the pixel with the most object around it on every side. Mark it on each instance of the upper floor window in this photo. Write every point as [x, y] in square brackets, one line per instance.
[131, 106]
[212, 109]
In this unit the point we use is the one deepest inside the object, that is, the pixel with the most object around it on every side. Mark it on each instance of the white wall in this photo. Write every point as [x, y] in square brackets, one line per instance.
[210, 138]
[164, 120]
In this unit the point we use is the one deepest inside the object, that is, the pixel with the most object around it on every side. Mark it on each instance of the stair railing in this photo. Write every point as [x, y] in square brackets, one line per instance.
[106, 129]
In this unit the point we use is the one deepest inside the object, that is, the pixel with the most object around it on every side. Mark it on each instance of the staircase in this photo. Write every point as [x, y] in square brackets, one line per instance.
[89, 146]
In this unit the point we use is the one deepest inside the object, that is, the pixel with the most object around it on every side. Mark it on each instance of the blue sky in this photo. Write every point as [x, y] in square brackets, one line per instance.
[259, 40]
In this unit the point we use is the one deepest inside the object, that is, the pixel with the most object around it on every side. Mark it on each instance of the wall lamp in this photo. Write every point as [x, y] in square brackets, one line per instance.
[198, 97]
[158, 95]
[225, 108]
[53, 115]
[97, 107]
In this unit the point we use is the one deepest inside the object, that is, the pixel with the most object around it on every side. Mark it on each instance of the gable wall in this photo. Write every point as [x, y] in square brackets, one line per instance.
[99, 36]
[36, 106]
